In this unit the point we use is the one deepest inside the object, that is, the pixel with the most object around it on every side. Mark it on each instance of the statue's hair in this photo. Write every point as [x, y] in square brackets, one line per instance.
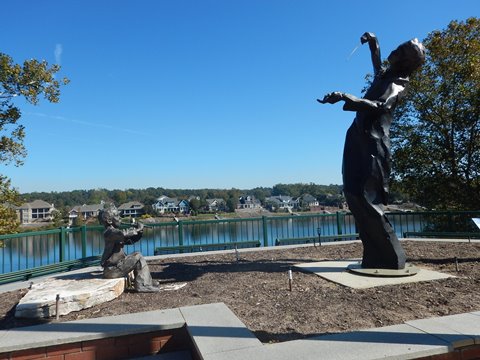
[106, 215]
[415, 51]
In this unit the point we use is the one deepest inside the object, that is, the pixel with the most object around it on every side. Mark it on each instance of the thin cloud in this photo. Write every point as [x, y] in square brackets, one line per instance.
[89, 124]
[58, 53]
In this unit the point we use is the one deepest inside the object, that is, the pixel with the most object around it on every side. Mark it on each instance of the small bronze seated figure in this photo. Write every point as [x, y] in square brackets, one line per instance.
[114, 261]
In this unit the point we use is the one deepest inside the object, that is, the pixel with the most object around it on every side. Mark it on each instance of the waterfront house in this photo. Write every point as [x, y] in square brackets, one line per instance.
[248, 202]
[131, 209]
[307, 201]
[216, 205]
[35, 211]
[85, 211]
[165, 204]
[280, 203]
[184, 206]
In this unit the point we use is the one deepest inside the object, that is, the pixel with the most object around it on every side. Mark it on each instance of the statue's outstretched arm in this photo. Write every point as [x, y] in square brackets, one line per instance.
[374, 50]
[353, 103]
[132, 235]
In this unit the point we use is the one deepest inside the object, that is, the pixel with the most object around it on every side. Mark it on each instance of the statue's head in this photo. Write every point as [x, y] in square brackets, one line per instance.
[109, 215]
[408, 57]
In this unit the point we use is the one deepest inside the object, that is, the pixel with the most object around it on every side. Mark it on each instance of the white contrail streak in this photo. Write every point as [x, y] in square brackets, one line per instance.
[90, 124]
[353, 51]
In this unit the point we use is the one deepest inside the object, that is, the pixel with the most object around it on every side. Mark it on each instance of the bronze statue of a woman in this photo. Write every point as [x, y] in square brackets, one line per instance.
[366, 156]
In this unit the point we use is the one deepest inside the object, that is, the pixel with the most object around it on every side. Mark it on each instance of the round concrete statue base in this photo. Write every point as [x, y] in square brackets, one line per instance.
[409, 270]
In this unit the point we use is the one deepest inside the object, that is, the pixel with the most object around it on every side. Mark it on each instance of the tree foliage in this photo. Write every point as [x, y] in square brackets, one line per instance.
[30, 81]
[329, 195]
[436, 137]
[9, 198]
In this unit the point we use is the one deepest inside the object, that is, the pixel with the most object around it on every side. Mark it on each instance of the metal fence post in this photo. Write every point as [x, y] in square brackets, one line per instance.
[84, 241]
[180, 234]
[450, 221]
[62, 244]
[265, 231]
[339, 223]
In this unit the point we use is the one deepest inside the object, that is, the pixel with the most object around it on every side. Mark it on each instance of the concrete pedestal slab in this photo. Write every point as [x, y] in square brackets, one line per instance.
[337, 272]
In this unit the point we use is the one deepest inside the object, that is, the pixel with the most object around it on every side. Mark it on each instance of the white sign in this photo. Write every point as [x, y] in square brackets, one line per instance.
[476, 221]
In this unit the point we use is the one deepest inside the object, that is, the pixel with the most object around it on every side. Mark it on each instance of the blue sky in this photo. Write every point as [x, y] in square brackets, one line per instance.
[199, 93]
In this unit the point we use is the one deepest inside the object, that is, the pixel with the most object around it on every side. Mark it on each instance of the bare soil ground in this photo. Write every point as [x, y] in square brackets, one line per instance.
[256, 289]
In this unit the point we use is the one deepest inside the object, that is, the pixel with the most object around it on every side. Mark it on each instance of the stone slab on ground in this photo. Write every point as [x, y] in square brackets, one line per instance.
[390, 342]
[57, 333]
[459, 330]
[336, 271]
[214, 329]
[75, 293]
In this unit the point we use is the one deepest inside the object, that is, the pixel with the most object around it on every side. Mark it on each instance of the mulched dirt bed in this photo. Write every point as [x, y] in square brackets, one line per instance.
[256, 289]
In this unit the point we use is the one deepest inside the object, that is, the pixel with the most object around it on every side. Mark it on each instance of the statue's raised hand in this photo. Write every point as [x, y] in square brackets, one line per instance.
[331, 98]
[368, 36]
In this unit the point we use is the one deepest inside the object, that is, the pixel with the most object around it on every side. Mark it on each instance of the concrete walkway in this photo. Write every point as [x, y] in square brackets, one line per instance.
[218, 334]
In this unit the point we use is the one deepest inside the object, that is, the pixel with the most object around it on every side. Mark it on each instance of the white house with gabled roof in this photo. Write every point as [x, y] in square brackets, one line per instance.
[35, 211]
